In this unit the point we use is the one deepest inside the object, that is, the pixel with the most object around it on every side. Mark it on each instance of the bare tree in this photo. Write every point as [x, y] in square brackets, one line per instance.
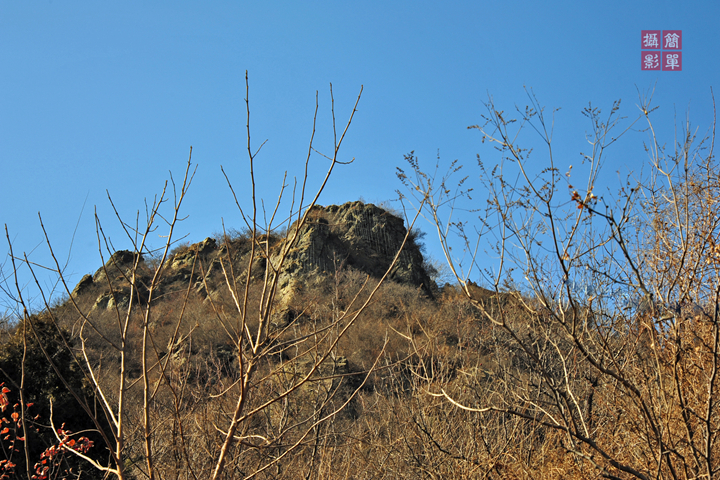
[161, 413]
[611, 306]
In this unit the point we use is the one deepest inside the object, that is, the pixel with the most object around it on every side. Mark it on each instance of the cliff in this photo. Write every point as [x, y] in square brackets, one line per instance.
[354, 235]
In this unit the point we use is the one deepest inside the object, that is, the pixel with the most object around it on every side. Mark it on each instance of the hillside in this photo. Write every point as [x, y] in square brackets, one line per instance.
[354, 236]
[311, 354]
[315, 351]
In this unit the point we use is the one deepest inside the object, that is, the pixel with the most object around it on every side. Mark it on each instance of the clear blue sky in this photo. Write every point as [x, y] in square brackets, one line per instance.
[111, 95]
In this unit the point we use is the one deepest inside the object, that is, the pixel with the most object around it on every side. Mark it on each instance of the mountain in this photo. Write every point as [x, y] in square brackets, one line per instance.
[357, 236]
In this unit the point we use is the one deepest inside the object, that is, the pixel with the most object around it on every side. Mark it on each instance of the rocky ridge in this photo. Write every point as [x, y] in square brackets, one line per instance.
[354, 235]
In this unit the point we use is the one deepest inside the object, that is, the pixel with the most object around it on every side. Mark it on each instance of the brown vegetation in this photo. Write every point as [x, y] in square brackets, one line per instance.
[613, 348]
[248, 357]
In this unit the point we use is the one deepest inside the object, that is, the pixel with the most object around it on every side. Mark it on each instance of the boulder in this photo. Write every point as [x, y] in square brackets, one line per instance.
[358, 235]
[85, 282]
[108, 301]
[120, 264]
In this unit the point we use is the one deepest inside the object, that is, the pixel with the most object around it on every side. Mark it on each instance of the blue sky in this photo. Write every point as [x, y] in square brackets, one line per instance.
[98, 96]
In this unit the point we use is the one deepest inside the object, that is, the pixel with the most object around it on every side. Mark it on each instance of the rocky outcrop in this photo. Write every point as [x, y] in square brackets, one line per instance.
[185, 259]
[355, 235]
[85, 282]
[118, 267]
[109, 300]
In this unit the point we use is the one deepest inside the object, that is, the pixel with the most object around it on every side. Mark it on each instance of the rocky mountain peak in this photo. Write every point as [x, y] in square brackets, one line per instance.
[360, 236]
[354, 235]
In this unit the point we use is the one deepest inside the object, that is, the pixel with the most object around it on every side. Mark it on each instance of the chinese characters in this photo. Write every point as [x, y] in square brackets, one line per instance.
[661, 50]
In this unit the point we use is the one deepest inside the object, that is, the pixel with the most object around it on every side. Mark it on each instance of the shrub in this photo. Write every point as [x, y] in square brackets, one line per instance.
[39, 357]
[599, 347]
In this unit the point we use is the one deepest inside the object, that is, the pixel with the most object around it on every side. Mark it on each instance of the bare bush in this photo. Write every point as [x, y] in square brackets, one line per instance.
[212, 381]
[610, 336]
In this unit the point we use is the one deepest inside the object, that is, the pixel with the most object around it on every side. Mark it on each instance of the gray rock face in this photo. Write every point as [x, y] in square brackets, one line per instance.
[85, 282]
[357, 235]
[118, 265]
[107, 301]
[186, 259]
[354, 235]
